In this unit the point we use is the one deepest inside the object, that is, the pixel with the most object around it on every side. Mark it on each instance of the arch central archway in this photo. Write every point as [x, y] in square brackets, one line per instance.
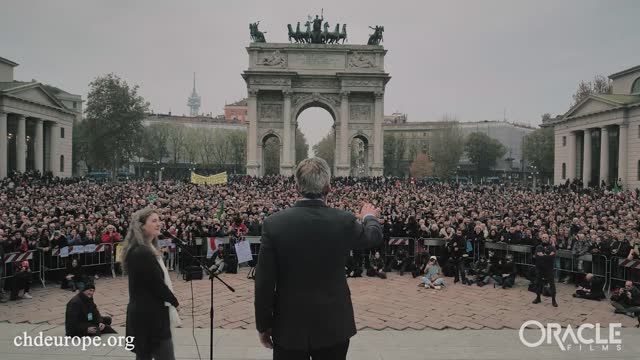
[316, 126]
[325, 76]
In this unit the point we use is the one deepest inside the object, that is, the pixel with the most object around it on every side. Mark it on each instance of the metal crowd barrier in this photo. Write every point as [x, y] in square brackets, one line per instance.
[11, 261]
[88, 255]
[625, 270]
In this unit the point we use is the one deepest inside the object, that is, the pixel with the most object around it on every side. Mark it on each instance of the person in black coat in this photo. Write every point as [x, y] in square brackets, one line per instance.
[591, 289]
[149, 311]
[303, 304]
[83, 318]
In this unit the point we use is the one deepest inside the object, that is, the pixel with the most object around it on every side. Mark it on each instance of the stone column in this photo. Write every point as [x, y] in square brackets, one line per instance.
[343, 142]
[571, 164]
[604, 155]
[21, 144]
[4, 150]
[54, 160]
[377, 168]
[252, 138]
[586, 168]
[39, 146]
[287, 163]
[622, 152]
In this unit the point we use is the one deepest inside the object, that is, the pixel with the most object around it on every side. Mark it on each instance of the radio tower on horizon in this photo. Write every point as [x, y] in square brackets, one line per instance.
[194, 99]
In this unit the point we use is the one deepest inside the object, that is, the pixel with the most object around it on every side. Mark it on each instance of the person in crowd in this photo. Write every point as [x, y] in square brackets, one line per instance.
[399, 261]
[457, 250]
[377, 266]
[151, 313]
[627, 300]
[504, 272]
[353, 267]
[74, 277]
[544, 256]
[592, 288]
[110, 235]
[218, 259]
[82, 317]
[433, 277]
[22, 281]
[482, 272]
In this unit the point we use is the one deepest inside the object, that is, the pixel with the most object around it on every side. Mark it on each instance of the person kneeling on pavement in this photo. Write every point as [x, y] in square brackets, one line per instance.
[433, 277]
[627, 300]
[219, 263]
[504, 273]
[591, 288]
[83, 318]
[399, 261]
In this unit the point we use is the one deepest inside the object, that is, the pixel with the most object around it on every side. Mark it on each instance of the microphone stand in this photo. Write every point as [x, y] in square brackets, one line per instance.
[179, 243]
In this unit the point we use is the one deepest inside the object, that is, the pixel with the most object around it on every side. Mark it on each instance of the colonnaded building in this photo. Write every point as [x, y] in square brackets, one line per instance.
[598, 139]
[36, 125]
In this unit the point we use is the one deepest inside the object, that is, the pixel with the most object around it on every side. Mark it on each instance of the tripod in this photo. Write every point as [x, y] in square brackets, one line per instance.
[179, 243]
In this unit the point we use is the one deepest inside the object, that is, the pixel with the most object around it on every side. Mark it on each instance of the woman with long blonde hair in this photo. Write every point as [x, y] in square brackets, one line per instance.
[151, 312]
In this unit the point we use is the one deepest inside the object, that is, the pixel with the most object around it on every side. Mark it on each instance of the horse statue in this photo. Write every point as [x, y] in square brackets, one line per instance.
[256, 35]
[325, 36]
[292, 35]
[343, 34]
[332, 37]
[307, 34]
[376, 37]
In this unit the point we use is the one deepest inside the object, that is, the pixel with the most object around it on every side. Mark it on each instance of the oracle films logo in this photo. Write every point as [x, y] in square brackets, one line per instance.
[586, 337]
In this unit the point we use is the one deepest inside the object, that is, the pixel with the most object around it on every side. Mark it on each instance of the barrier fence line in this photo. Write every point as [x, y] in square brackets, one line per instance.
[567, 262]
[11, 262]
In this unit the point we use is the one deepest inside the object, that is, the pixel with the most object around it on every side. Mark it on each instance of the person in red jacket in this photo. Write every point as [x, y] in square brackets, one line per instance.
[110, 235]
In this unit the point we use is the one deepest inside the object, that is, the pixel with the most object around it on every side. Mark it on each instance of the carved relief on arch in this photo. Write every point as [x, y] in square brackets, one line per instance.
[360, 134]
[331, 99]
[270, 112]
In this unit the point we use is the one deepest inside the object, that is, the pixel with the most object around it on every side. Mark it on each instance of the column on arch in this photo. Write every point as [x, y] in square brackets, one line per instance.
[54, 160]
[4, 150]
[377, 168]
[252, 136]
[586, 168]
[288, 137]
[343, 143]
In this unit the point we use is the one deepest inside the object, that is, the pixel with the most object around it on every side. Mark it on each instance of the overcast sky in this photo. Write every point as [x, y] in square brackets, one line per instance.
[471, 59]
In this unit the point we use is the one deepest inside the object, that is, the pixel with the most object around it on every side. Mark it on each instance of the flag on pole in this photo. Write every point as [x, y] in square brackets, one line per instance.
[221, 210]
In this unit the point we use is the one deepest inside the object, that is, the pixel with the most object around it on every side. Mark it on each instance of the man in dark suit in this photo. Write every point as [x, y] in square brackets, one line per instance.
[303, 303]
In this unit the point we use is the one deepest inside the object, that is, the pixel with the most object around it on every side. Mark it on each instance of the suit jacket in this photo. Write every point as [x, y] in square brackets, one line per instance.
[301, 290]
[147, 316]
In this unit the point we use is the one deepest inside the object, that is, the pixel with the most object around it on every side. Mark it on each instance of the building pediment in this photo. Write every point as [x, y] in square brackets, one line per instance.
[590, 105]
[35, 93]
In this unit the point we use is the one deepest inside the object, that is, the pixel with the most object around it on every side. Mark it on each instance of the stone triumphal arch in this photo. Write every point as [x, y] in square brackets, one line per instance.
[285, 79]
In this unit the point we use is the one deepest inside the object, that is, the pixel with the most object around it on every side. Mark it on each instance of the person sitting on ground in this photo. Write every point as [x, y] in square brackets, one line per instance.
[219, 263]
[399, 261]
[74, 277]
[433, 277]
[82, 317]
[591, 288]
[377, 267]
[481, 271]
[21, 281]
[353, 266]
[505, 272]
[627, 301]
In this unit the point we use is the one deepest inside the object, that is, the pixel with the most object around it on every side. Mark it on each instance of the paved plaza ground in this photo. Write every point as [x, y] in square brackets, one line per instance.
[397, 319]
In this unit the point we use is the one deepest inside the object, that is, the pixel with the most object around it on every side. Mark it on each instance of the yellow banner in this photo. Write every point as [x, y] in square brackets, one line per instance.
[211, 180]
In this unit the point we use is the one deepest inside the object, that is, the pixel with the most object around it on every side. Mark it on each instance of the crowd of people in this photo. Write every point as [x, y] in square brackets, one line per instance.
[43, 213]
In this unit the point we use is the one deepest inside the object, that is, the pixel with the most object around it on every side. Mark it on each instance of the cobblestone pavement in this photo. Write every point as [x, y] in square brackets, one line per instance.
[395, 304]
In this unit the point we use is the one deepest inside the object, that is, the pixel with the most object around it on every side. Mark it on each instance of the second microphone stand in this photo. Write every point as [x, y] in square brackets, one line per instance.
[179, 243]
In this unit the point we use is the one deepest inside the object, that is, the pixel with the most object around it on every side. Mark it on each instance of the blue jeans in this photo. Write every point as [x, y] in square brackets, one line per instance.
[436, 282]
[508, 280]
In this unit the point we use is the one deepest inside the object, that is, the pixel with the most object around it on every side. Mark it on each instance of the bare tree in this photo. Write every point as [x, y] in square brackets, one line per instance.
[599, 85]
[447, 147]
